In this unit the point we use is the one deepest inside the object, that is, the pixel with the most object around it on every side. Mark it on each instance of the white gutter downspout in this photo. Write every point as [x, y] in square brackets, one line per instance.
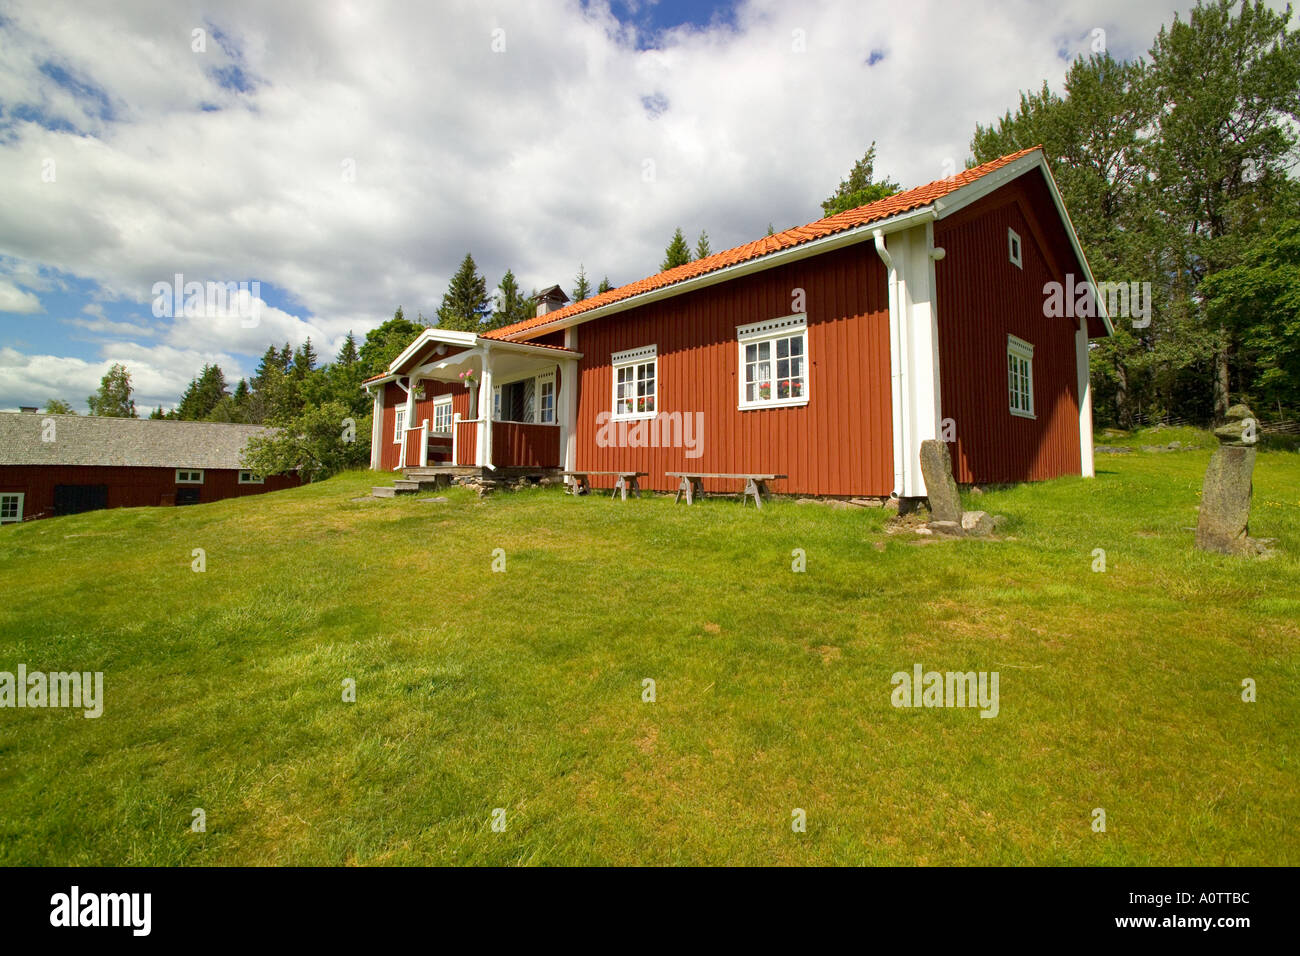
[895, 361]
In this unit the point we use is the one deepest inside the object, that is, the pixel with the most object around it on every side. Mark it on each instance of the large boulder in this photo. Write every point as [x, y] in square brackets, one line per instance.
[1226, 492]
[936, 469]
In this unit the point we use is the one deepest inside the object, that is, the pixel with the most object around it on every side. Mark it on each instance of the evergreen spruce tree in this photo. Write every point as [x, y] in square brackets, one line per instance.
[678, 252]
[465, 304]
[581, 286]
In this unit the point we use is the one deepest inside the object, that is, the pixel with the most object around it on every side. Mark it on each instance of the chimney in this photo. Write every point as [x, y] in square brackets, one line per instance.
[27, 409]
[548, 300]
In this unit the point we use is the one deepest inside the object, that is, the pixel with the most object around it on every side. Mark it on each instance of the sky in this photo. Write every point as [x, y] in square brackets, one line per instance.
[341, 158]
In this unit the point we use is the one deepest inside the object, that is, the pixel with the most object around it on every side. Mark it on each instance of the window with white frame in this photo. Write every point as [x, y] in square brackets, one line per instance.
[636, 375]
[189, 476]
[399, 423]
[546, 399]
[1014, 250]
[11, 508]
[774, 362]
[1020, 377]
[247, 477]
[441, 423]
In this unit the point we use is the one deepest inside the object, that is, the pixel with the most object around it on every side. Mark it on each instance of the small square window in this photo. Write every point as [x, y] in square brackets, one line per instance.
[189, 476]
[1014, 248]
[251, 478]
[11, 508]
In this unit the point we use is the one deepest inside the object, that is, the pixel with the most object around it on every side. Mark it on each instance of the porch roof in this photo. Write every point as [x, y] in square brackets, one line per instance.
[471, 350]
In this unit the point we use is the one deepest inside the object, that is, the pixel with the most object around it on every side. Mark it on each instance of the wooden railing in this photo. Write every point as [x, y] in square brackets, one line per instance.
[464, 440]
[525, 444]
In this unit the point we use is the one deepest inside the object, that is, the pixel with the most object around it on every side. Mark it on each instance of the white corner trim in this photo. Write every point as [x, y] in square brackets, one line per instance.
[1082, 358]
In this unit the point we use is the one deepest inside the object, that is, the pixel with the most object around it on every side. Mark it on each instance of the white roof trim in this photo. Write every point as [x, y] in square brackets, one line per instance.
[940, 208]
[771, 260]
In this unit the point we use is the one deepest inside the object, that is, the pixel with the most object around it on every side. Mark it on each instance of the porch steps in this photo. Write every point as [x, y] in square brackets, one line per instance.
[383, 491]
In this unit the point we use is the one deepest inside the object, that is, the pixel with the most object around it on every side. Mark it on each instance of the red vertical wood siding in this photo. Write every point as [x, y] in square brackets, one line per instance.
[840, 443]
[127, 487]
[982, 296]
[522, 444]
[466, 442]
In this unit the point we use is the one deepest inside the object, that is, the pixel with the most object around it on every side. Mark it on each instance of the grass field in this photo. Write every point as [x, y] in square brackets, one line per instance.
[522, 690]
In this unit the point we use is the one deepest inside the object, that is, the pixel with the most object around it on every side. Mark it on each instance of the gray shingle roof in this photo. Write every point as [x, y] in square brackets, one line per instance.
[136, 442]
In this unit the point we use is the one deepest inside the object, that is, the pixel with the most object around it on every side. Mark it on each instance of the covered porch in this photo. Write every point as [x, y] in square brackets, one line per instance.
[514, 404]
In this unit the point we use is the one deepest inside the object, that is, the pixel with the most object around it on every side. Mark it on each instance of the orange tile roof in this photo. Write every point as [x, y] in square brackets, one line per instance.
[840, 222]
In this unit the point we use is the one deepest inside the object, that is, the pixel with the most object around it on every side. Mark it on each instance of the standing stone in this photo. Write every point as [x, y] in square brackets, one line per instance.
[936, 469]
[1225, 495]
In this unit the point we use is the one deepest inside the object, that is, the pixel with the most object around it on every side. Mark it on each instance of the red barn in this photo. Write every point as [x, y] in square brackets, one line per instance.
[63, 464]
[826, 353]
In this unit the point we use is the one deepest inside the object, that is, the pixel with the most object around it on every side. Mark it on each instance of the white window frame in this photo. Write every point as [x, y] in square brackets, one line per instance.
[544, 380]
[770, 330]
[247, 477]
[1020, 362]
[441, 404]
[399, 422]
[12, 494]
[1015, 248]
[634, 359]
[189, 472]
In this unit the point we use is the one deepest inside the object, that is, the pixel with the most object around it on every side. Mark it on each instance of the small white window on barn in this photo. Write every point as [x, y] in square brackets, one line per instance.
[1020, 377]
[1014, 251]
[11, 508]
[251, 478]
[774, 362]
[636, 382]
[441, 424]
[399, 423]
[189, 476]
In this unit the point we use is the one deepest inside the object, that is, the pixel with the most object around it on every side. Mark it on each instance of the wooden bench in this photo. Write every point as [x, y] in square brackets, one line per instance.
[627, 481]
[692, 484]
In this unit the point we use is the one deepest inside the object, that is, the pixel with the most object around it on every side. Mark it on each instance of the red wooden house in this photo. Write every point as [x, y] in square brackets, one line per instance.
[827, 353]
[63, 464]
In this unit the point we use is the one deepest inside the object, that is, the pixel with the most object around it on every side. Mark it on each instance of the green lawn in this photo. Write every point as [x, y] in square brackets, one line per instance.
[522, 690]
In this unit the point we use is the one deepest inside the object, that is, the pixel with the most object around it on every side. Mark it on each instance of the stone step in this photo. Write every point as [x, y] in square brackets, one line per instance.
[404, 487]
[387, 491]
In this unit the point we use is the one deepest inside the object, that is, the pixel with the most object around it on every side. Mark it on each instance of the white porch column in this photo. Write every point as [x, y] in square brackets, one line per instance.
[455, 433]
[484, 451]
[567, 408]
[424, 444]
[413, 386]
[377, 426]
[1081, 361]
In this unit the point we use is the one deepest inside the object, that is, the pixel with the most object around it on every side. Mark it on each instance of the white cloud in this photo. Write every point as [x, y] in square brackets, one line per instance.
[14, 299]
[531, 158]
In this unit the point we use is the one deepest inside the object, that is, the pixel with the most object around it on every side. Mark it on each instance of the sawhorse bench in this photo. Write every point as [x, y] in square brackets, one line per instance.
[692, 484]
[627, 481]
